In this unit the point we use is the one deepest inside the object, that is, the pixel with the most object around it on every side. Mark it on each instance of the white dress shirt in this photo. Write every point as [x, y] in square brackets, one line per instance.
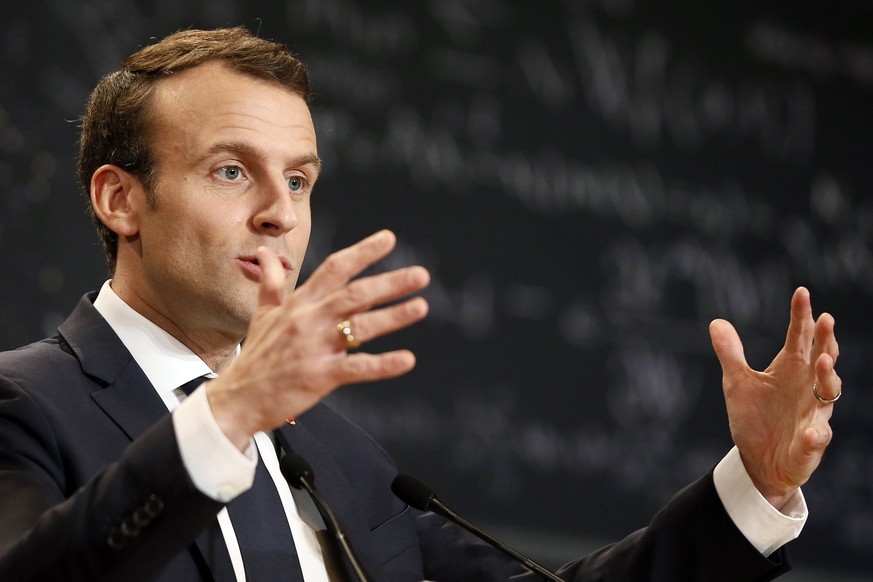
[219, 470]
[766, 527]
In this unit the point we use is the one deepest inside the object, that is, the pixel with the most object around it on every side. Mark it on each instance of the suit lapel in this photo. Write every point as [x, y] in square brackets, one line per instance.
[329, 478]
[127, 395]
[131, 401]
[332, 483]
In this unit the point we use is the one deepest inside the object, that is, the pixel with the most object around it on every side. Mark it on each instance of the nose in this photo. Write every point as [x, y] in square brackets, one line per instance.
[276, 213]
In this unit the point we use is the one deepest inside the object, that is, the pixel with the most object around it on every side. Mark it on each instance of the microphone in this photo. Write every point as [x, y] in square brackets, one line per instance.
[298, 473]
[417, 494]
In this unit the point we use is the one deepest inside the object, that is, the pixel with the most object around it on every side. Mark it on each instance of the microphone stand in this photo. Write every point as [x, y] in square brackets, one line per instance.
[417, 494]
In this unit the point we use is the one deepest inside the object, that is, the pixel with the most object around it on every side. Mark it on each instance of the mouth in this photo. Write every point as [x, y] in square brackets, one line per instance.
[251, 266]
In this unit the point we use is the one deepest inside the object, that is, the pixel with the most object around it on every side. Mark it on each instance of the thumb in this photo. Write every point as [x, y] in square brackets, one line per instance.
[271, 288]
[728, 347]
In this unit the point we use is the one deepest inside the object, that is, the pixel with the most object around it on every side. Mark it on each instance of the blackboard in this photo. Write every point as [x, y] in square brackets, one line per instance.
[590, 183]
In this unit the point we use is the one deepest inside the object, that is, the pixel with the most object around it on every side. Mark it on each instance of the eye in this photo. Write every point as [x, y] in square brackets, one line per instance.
[231, 173]
[295, 183]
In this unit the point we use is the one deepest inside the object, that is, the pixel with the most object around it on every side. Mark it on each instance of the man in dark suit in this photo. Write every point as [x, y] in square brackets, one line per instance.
[199, 156]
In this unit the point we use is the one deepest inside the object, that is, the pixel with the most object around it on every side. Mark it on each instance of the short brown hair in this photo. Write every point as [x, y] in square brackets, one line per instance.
[114, 126]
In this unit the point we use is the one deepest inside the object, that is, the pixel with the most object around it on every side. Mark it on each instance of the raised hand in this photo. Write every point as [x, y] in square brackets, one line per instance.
[778, 424]
[294, 355]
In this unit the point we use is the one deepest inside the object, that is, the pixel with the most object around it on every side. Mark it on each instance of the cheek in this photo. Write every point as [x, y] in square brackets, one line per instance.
[212, 232]
[297, 240]
[291, 282]
[299, 236]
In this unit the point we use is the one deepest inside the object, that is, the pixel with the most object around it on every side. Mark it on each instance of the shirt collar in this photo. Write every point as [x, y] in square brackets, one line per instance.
[166, 361]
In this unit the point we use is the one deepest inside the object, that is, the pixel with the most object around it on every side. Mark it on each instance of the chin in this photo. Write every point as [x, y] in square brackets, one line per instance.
[239, 314]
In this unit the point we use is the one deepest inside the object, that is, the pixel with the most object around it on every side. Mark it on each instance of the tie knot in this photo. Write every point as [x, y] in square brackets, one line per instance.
[189, 387]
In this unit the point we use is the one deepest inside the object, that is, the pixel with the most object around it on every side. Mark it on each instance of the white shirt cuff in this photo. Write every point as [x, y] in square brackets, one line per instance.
[766, 527]
[217, 468]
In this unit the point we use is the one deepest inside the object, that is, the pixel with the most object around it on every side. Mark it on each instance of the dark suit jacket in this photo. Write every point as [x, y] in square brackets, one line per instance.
[92, 487]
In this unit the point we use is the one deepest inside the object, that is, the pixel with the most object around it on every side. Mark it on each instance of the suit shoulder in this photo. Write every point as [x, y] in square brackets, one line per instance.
[47, 358]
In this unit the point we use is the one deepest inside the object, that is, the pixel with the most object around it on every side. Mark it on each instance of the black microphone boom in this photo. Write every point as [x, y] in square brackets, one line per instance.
[298, 473]
[417, 494]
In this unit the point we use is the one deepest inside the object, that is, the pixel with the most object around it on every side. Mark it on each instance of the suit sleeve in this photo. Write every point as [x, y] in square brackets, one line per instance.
[127, 521]
[692, 538]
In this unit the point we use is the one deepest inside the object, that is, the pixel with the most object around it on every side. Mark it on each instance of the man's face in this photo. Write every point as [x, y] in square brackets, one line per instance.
[236, 162]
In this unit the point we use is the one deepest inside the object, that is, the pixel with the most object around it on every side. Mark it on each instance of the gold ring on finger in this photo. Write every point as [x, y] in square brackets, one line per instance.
[345, 330]
[823, 400]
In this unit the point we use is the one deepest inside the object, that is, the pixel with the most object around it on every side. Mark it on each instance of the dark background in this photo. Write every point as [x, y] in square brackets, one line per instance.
[590, 183]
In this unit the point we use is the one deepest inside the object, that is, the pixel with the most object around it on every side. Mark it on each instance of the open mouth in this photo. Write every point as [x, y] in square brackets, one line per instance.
[252, 266]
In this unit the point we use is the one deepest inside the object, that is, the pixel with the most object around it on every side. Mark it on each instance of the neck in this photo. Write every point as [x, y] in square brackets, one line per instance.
[215, 347]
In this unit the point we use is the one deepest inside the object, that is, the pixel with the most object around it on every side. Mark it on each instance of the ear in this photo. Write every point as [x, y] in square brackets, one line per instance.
[116, 196]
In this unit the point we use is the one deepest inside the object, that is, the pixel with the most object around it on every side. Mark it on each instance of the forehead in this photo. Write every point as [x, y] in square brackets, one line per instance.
[212, 102]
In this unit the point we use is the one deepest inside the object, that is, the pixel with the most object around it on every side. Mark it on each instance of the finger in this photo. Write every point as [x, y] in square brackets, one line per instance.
[828, 383]
[801, 325]
[817, 437]
[271, 287]
[373, 324]
[340, 267]
[364, 367]
[728, 347]
[825, 339]
[366, 292]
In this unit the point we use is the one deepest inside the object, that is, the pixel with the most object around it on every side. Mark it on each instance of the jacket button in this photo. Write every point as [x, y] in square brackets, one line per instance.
[153, 506]
[140, 517]
[128, 528]
[116, 540]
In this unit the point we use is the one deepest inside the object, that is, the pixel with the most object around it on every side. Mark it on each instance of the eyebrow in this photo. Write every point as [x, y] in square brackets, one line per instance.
[244, 149]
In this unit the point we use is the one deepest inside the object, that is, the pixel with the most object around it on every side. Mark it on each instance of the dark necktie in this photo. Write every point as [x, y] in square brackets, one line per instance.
[261, 527]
